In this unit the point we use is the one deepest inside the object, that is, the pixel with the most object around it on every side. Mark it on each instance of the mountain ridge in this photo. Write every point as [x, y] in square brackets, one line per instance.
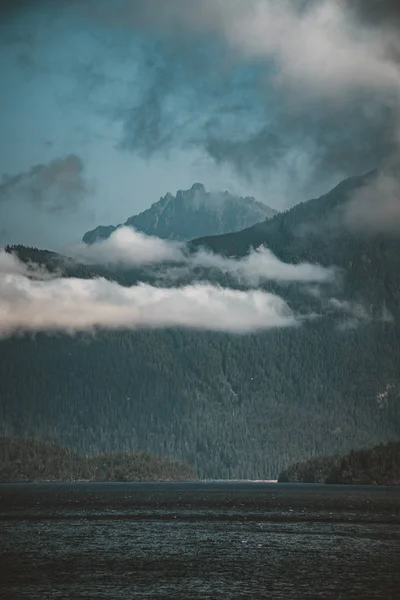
[189, 213]
[254, 235]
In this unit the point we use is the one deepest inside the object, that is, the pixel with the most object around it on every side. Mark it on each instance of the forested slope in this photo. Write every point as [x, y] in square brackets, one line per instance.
[374, 466]
[231, 406]
[24, 459]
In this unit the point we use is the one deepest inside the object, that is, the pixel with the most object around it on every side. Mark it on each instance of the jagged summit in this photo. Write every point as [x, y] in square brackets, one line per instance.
[192, 213]
[198, 187]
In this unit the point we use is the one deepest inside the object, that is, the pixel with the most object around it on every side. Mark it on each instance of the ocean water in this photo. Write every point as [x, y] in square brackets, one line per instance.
[199, 541]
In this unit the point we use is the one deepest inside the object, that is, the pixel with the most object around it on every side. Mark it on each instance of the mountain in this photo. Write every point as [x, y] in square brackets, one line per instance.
[228, 405]
[192, 213]
[317, 231]
[291, 233]
[375, 466]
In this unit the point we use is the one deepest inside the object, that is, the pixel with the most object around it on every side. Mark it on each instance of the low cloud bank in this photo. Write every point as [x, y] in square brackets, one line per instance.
[74, 305]
[71, 305]
[33, 300]
[261, 265]
[129, 248]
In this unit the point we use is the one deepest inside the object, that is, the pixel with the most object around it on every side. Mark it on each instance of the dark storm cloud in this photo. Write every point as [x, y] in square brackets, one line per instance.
[251, 134]
[258, 151]
[252, 84]
[10, 7]
[355, 147]
[376, 12]
[327, 83]
[56, 187]
[261, 85]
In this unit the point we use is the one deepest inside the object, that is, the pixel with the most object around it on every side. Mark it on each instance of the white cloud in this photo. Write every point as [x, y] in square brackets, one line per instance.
[261, 265]
[33, 300]
[320, 47]
[127, 247]
[11, 265]
[72, 305]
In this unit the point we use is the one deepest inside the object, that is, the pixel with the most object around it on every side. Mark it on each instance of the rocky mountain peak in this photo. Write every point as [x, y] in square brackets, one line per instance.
[192, 213]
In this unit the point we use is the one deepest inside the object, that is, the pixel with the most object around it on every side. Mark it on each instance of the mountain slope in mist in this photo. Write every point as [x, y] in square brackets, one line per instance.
[289, 233]
[233, 406]
[192, 213]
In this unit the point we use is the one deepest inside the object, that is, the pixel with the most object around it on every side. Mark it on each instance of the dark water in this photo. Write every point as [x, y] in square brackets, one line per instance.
[200, 540]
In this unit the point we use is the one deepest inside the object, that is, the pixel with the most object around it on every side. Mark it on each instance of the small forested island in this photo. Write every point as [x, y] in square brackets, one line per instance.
[375, 466]
[30, 460]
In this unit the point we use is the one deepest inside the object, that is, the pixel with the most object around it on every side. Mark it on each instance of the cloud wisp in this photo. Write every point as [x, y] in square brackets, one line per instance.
[128, 248]
[70, 305]
[262, 265]
[375, 207]
[57, 187]
[355, 314]
[10, 265]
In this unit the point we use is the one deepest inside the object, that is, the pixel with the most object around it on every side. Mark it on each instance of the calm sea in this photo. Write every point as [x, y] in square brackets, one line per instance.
[199, 541]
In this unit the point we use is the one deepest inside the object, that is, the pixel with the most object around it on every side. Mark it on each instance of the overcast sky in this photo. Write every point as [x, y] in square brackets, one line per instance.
[107, 105]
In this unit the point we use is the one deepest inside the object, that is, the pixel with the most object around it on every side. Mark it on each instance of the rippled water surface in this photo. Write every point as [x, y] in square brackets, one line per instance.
[199, 541]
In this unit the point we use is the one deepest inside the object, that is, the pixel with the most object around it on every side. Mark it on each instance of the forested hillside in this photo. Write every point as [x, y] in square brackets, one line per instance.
[24, 459]
[231, 406]
[375, 466]
[313, 231]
